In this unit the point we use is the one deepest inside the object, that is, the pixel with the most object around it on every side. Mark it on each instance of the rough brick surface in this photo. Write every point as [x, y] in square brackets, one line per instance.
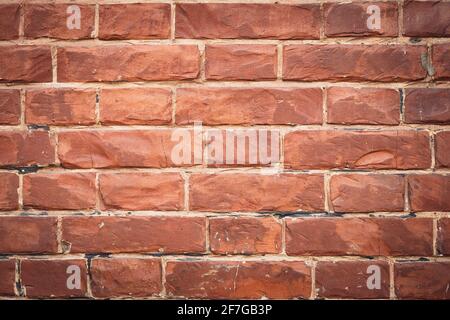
[443, 149]
[430, 105]
[9, 196]
[7, 277]
[426, 19]
[9, 107]
[441, 61]
[444, 236]
[429, 192]
[9, 21]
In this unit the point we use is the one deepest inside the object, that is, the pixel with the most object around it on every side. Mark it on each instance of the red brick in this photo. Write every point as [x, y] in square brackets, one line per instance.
[443, 149]
[7, 277]
[381, 63]
[134, 21]
[9, 21]
[59, 191]
[141, 191]
[50, 21]
[427, 105]
[9, 107]
[60, 106]
[109, 149]
[348, 279]
[367, 193]
[134, 234]
[245, 235]
[441, 61]
[350, 19]
[363, 106]
[426, 19]
[327, 149]
[248, 21]
[124, 277]
[359, 236]
[135, 106]
[429, 192]
[25, 64]
[253, 192]
[443, 240]
[241, 62]
[216, 106]
[48, 278]
[28, 235]
[422, 280]
[238, 279]
[23, 148]
[9, 197]
[131, 63]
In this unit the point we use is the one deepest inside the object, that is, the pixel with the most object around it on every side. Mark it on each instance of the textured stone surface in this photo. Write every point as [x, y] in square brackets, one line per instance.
[134, 21]
[241, 235]
[135, 106]
[327, 149]
[422, 280]
[241, 62]
[134, 234]
[28, 235]
[350, 19]
[9, 21]
[442, 141]
[7, 276]
[215, 106]
[122, 277]
[367, 193]
[48, 278]
[251, 192]
[441, 61]
[60, 106]
[251, 21]
[348, 279]
[363, 106]
[426, 19]
[131, 63]
[429, 192]
[359, 236]
[45, 191]
[9, 196]
[9, 106]
[141, 191]
[443, 238]
[238, 279]
[427, 105]
[353, 63]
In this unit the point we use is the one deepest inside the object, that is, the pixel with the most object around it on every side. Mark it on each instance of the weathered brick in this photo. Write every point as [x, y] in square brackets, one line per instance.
[429, 192]
[349, 279]
[9, 107]
[134, 234]
[367, 193]
[134, 21]
[443, 237]
[60, 107]
[422, 280]
[443, 149]
[351, 19]
[59, 191]
[28, 235]
[50, 278]
[381, 63]
[253, 192]
[131, 63]
[9, 196]
[9, 21]
[7, 277]
[135, 106]
[359, 236]
[238, 279]
[125, 277]
[241, 62]
[52, 20]
[427, 105]
[426, 19]
[25, 64]
[244, 235]
[441, 61]
[248, 21]
[23, 148]
[216, 106]
[327, 149]
[363, 106]
[141, 191]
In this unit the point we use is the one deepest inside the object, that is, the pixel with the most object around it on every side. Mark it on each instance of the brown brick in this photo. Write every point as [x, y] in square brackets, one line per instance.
[359, 236]
[426, 19]
[7, 277]
[441, 61]
[9, 107]
[9, 21]
[443, 149]
[429, 192]
[427, 105]
[443, 237]
[9, 196]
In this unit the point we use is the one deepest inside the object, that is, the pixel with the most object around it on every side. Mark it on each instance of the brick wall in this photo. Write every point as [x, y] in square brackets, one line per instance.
[88, 182]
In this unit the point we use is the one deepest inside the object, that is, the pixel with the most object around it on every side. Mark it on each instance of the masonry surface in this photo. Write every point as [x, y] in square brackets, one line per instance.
[86, 180]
